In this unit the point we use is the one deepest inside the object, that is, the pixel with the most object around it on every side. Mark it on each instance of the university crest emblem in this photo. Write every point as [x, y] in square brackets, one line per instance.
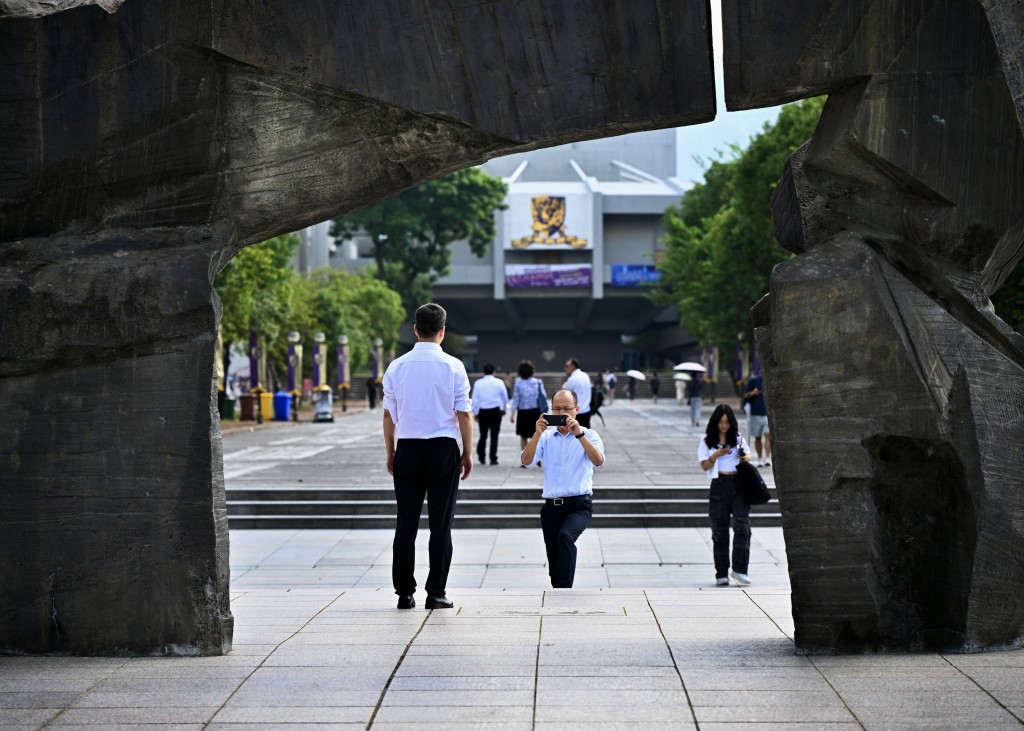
[549, 225]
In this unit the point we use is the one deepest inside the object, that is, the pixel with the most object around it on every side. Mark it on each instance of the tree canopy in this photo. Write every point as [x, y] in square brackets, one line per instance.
[412, 231]
[720, 240]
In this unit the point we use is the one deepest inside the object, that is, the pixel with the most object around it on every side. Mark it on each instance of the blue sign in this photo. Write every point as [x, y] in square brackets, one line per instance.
[634, 275]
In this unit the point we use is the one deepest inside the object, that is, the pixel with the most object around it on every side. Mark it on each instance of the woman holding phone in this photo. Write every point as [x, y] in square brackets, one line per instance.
[718, 453]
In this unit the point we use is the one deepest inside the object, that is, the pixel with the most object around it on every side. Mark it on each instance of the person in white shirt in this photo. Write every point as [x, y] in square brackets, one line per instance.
[427, 410]
[490, 396]
[569, 453]
[579, 383]
[718, 453]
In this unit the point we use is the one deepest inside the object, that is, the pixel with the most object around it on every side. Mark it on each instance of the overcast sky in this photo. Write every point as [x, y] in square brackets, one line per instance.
[702, 140]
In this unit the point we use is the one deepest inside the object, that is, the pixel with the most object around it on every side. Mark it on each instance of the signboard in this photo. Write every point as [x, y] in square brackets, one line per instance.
[549, 221]
[523, 276]
[634, 275]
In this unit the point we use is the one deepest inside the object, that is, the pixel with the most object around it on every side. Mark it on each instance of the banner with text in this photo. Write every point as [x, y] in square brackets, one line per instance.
[522, 276]
[634, 275]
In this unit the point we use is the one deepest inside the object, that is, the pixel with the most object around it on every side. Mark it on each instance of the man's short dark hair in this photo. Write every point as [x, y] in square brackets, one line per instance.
[488, 370]
[575, 401]
[430, 319]
[575, 364]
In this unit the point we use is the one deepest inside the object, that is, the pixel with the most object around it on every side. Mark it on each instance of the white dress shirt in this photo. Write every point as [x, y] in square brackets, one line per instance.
[579, 383]
[489, 393]
[725, 463]
[422, 391]
[568, 470]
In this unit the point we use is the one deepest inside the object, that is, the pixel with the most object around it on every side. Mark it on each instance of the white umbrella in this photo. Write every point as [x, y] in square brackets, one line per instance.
[637, 375]
[681, 377]
[690, 366]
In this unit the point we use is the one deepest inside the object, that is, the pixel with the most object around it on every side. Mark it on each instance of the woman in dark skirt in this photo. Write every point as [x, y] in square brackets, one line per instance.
[718, 453]
[527, 396]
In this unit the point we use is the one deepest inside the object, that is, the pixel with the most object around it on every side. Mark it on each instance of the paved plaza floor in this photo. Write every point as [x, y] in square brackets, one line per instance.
[643, 641]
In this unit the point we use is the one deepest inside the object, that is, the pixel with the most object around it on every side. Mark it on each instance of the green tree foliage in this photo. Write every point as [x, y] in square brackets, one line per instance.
[256, 290]
[339, 303]
[720, 241]
[412, 232]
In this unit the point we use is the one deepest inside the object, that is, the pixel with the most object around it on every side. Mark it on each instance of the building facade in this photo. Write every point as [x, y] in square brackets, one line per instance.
[575, 250]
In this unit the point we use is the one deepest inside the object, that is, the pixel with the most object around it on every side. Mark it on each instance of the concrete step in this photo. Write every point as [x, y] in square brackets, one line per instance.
[531, 520]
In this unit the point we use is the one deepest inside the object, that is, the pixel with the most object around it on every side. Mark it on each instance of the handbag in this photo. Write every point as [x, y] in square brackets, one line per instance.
[542, 402]
[752, 485]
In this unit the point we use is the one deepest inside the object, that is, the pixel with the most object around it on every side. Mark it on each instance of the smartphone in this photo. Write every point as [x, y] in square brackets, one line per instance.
[556, 419]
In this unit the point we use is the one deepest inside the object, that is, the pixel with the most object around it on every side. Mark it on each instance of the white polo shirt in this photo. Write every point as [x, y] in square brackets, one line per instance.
[579, 383]
[422, 391]
[489, 393]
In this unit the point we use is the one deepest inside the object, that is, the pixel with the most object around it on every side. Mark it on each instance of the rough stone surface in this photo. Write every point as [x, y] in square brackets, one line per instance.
[41, 8]
[140, 150]
[896, 407]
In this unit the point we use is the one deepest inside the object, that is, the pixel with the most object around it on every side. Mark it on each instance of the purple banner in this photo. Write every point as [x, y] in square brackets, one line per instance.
[523, 276]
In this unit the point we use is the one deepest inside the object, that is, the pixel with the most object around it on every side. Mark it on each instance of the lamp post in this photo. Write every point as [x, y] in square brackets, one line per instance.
[294, 371]
[343, 375]
[378, 354]
[319, 360]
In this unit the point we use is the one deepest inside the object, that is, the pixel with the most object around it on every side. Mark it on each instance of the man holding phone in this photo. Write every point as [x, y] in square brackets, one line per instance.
[569, 453]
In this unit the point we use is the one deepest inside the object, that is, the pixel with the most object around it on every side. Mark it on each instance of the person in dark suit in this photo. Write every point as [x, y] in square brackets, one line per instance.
[427, 410]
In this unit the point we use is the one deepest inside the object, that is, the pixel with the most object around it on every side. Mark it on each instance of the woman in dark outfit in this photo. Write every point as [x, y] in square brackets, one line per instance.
[718, 453]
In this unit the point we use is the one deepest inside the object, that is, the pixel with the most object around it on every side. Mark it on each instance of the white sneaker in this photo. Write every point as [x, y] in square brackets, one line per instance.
[741, 579]
[724, 581]
[767, 462]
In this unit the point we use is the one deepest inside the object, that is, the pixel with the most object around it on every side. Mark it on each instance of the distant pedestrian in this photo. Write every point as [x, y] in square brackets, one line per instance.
[693, 398]
[757, 421]
[579, 383]
[371, 394]
[569, 453]
[489, 400]
[528, 400]
[631, 388]
[655, 387]
[720, 449]
[427, 410]
[611, 381]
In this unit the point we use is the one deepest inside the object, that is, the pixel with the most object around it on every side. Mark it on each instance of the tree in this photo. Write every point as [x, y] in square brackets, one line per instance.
[720, 241]
[256, 289]
[337, 303]
[412, 232]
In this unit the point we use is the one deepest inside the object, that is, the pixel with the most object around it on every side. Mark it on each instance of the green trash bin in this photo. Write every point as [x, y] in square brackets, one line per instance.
[229, 409]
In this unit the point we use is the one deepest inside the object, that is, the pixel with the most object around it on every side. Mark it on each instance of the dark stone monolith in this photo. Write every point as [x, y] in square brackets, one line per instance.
[894, 392]
[140, 150]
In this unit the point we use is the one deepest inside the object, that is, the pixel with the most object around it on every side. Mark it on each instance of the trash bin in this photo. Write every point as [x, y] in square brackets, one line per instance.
[267, 405]
[323, 401]
[229, 410]
[247, 405]
[282, 406]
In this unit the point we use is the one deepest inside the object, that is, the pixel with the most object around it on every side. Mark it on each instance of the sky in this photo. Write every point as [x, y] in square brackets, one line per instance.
[702, 140]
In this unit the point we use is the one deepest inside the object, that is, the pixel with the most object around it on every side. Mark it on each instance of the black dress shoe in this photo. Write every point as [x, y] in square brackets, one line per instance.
[494, 462]
[406, 601]
[439, 602]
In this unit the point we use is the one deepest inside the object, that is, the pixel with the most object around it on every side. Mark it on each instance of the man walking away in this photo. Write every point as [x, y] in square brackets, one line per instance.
[758, 420]
[569, 454]
[579, 383]
[427, 410]
[489, 399]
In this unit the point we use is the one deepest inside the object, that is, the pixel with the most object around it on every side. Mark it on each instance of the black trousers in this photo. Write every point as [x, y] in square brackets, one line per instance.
[562, 525]
[490, 423]
[726, 501]
[430, 468]
[584, 419]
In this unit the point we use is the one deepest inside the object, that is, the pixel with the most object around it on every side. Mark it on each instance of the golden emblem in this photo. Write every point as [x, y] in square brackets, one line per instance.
[549, 225]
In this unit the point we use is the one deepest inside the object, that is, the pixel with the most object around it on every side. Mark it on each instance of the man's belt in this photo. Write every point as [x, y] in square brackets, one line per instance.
[570, 500]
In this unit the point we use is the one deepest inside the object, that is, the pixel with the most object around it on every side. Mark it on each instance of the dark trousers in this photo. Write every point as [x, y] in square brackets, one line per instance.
[490, 423]
[424, 467]
[584, 419]
[562, 525]
[726, 500]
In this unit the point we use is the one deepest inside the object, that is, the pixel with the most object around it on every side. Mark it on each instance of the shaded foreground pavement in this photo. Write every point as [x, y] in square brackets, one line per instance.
[643, 641]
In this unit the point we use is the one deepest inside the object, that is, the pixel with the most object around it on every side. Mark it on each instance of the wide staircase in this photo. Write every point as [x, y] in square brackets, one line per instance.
[478, 507]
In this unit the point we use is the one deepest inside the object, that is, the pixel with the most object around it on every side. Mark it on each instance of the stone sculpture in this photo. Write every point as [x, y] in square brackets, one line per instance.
[895, 393]
[140, 150]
